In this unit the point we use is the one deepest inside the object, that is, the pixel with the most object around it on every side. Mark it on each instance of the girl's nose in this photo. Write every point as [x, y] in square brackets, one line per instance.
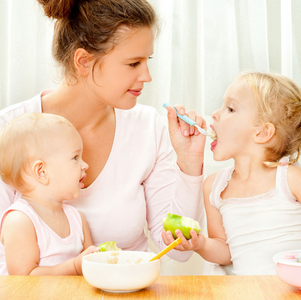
[145, 76]
[215, 115]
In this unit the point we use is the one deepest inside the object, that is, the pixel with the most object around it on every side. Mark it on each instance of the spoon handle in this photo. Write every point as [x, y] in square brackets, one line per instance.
[168, 248]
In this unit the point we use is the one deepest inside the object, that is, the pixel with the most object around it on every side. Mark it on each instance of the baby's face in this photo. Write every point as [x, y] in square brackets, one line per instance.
[65, 167]
[234, 122]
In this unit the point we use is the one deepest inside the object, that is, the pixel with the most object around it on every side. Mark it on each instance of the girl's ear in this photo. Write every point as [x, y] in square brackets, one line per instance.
[264, 133]
[39, 172]
[81, 61]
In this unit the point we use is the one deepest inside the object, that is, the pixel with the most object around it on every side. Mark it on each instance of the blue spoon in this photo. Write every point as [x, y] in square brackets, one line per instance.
[189, 121]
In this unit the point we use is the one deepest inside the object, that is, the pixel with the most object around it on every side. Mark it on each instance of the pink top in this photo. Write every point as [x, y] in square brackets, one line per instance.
[53, 249]
[139, 182]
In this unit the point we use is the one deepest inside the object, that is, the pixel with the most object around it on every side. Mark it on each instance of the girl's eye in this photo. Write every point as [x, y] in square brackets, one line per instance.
[230, 109]
[135, 64]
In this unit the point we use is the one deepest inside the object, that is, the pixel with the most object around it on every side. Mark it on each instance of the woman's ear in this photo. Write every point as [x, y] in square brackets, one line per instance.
[264, 133]
[39, 172]
[81, 61]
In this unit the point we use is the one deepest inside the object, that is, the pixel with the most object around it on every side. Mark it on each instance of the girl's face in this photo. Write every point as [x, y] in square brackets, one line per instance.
[119, 77]
[65, 167]
[234, 122]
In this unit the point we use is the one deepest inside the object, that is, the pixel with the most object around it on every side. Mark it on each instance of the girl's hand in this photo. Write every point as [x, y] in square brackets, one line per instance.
[195, 243]
[186, 140]
[78, 260]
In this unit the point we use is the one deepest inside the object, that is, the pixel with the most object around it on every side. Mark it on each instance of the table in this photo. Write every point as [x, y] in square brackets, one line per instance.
[166, 287]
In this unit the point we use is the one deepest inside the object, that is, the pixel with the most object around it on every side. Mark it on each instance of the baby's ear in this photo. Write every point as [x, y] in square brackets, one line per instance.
[39, 172]
[264, 133]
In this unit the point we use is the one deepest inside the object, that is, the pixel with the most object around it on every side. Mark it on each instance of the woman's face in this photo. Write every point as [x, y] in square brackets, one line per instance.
[119, 76]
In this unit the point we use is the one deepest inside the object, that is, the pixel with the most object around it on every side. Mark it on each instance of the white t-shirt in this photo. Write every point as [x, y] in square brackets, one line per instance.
[138, 183]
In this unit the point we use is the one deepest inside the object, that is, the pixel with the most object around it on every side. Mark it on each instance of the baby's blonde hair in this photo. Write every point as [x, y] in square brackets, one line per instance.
[279, 102]
[25, 139]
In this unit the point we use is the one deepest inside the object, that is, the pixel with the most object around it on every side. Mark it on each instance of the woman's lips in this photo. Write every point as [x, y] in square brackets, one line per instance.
[135, 93]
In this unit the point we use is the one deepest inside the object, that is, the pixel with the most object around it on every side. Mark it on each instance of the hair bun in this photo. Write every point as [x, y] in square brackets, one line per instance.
[58, 9]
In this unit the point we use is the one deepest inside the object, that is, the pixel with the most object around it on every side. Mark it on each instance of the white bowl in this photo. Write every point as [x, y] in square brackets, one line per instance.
[288, 267]
[131, 271]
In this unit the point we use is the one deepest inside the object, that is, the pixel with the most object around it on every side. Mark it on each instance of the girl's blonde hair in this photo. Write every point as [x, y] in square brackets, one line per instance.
[25, 139]
[279, 102]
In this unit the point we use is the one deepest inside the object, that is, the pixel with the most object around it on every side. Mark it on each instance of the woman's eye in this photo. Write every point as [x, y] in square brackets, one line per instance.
[135, 64]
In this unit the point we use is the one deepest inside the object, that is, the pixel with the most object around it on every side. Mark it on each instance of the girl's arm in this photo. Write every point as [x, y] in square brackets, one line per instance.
[22, 252]
[214, 248]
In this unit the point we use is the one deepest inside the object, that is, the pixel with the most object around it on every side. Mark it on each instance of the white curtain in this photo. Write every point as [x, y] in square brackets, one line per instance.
[202, 46]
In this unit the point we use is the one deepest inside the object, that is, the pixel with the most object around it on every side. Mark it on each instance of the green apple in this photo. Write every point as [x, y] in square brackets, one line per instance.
[108, 246]
[173, 222]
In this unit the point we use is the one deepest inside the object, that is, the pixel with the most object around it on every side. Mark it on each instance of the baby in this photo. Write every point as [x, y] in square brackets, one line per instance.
[41, 157]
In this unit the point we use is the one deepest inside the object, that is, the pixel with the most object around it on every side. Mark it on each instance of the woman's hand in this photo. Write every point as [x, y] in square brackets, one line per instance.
[195, 243]
[186, 140]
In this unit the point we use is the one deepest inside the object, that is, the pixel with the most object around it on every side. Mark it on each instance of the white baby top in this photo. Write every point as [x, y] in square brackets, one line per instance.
[258, 227]
[138, 183]
[53, 249]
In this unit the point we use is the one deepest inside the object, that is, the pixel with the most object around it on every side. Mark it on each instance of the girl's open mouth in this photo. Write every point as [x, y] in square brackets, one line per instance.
[213, 145]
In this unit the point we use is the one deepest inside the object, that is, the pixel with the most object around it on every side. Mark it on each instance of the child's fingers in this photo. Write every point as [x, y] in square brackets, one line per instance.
[91, 249]
[167, 237]
[185, 245]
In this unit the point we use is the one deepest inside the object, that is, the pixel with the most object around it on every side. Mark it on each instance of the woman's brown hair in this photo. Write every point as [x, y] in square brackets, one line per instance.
[92, 25]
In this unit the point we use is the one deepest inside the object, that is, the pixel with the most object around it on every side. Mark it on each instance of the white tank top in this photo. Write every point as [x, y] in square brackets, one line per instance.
[258, 227]
[53, 248]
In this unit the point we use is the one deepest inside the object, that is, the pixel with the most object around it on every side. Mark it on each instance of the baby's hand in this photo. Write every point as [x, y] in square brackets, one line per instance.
[79, 258]
[195, 243]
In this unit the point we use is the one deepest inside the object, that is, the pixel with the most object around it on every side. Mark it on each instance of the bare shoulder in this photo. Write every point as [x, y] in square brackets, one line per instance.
[294, 179]
[207, 186]
[208, 182]
[17, 223]
[16, 218]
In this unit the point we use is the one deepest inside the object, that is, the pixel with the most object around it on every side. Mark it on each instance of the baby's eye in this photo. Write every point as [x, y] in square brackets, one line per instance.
[230, 109]
[135, 64]
[75, 157]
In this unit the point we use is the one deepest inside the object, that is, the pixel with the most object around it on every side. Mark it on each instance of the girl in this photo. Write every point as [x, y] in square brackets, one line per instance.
[253, 209]
[103, 47]
[41, 157]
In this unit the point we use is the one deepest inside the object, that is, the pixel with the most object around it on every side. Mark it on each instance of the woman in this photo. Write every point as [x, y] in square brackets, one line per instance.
[103, 48]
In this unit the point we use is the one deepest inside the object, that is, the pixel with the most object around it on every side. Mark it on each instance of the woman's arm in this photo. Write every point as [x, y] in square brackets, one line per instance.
[214, 248]
[169, 190]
